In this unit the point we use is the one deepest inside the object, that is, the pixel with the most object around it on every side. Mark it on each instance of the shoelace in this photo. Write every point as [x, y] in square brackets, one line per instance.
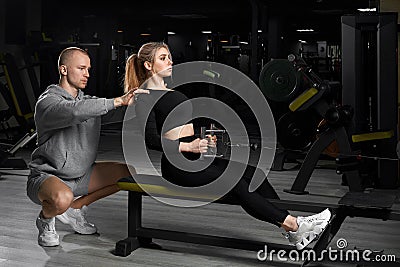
[81, 216]
[312, 219]
[48, 227]
[84, 210]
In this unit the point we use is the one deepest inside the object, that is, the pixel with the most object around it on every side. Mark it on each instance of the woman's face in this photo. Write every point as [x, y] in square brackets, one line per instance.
[162, 65]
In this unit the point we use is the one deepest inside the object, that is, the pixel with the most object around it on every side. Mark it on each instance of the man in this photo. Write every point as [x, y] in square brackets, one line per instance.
[63, 165]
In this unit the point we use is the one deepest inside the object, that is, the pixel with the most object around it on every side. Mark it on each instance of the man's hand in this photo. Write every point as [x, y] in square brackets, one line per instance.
[129, 97]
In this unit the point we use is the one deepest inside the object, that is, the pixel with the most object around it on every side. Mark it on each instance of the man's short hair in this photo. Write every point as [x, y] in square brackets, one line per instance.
[67, 53]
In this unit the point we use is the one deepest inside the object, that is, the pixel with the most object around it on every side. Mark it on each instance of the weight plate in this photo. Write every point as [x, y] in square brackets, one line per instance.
[297, 130]
[279, 80]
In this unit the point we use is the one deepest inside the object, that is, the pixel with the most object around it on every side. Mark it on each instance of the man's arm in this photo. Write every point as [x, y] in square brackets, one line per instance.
[55, 112]
[121, 103]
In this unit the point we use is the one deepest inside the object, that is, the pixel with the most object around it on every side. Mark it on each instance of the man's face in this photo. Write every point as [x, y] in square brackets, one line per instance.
[78, 67]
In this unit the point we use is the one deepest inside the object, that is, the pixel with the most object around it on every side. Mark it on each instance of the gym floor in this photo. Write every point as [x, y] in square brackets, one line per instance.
[18, 233]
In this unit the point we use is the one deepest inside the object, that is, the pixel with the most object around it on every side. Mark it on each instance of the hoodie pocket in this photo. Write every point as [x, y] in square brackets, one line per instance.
[65, 161]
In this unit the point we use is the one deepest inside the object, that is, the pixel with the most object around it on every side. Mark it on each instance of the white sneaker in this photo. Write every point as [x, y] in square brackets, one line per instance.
[76, 218]
[309, 229]
[47, 236]
[323, 216]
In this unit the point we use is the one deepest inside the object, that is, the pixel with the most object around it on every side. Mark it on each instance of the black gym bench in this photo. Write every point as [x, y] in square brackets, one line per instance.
[375, 204]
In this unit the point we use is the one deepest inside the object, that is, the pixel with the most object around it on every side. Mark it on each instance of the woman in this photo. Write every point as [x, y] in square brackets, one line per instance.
[147, 69]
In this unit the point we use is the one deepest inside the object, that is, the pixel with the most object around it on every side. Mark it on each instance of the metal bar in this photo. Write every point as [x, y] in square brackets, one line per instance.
[134, 213]
[210, 240]
[308, 165]
[22, 142]
[353, 177]
[373, 213]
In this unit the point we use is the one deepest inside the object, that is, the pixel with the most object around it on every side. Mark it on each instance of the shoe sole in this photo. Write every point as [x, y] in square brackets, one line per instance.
[55, 244]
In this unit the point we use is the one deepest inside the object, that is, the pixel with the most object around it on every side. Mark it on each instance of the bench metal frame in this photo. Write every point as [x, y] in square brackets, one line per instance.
[139, 236]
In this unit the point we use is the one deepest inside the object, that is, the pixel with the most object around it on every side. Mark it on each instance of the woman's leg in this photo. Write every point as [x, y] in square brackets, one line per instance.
[255, 203]
[103, 182]
[258, 206]
[265, 189]
[300, 233]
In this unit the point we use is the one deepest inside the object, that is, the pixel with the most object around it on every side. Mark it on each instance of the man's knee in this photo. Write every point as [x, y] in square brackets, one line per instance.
[60, 200]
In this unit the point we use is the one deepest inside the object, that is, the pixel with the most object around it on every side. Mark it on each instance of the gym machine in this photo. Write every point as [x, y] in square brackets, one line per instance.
[7, 153]
[369, 79]
[17, 98]
[283, 80]
[14, 94]
[364, 126]
[296, 131]
[280, 83]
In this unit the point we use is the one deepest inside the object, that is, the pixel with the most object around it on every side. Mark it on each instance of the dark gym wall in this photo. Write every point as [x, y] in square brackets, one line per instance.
[188, 47]
[15, 22]
[275, 34]
[21, 17]
[94, 32]
[17, 19]
[2, 23]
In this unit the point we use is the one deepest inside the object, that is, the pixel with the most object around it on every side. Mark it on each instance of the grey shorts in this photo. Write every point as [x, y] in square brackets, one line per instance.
[79, 186]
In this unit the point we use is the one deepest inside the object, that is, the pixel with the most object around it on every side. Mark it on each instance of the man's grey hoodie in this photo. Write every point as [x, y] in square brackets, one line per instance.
[68, 131]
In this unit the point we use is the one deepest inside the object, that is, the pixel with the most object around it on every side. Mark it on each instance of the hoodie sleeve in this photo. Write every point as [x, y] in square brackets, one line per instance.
[55, 112]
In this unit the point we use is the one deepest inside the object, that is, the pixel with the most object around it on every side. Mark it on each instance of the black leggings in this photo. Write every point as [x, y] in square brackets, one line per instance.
[254, 203]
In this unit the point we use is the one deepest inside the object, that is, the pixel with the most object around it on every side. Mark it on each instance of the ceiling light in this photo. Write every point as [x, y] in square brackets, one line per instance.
[206, 32]
[171, 33]
[367, 9]
[305, 30]
[185, 16]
